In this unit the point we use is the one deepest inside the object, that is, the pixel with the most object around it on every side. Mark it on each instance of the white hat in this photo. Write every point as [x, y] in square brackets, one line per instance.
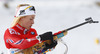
[25, 10]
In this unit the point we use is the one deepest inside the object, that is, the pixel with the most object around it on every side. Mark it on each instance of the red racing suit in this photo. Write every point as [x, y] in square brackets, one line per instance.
[19, 37]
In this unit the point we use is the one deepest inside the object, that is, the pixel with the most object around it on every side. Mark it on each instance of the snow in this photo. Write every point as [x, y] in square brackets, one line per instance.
[57, 15]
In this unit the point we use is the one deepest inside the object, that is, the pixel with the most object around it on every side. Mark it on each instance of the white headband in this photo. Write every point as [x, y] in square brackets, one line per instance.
[25, 10]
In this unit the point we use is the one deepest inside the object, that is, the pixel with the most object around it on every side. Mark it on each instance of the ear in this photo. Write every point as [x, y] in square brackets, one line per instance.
[21, 19]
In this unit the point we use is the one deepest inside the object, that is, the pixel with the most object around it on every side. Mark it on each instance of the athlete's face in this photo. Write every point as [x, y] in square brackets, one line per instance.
[27, 21]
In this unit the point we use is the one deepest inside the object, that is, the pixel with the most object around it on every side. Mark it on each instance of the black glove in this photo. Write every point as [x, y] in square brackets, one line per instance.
[46, 36]
[53, 44]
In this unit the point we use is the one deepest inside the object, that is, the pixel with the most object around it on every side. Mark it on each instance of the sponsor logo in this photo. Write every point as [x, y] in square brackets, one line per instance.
[32, 33]
[12, 31]
[22, 12]
[19, 27]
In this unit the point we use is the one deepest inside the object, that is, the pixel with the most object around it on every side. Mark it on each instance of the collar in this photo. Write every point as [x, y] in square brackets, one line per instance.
[20, 29]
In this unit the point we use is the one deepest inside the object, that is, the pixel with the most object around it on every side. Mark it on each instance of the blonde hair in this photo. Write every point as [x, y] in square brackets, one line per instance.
[22, 5]
[17, 19]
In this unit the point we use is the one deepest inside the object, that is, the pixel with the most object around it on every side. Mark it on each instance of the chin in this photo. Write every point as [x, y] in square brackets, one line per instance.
[27, 28]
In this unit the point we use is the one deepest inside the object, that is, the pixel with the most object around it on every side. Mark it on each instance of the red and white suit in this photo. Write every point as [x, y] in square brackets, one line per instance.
[18, 37]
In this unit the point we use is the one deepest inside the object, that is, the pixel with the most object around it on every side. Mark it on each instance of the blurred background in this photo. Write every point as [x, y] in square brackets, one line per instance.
[57, 15]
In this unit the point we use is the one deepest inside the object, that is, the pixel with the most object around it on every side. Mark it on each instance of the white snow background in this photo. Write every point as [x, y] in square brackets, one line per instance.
[57, 15]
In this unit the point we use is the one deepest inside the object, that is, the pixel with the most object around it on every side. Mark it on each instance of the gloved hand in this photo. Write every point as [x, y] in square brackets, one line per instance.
[52, 45]
[46, 36]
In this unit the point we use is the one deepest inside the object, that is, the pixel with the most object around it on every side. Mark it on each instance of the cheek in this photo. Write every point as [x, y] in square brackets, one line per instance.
[26, 23]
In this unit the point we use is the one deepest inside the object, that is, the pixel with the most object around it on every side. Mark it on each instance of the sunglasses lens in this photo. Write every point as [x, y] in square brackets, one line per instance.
[32, 8]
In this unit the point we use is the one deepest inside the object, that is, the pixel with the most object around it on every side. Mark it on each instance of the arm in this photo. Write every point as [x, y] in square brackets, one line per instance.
[17, 42]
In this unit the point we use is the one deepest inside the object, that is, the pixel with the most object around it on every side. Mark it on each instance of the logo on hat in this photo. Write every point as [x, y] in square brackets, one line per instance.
[25, 10]
[22, 12]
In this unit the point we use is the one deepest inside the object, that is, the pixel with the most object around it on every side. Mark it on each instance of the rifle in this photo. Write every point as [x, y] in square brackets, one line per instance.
[40, 46]
[87, 20]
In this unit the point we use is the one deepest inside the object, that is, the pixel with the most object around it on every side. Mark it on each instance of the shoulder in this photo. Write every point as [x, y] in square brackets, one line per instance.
[11, 31]
[6, 31]
[32, 29]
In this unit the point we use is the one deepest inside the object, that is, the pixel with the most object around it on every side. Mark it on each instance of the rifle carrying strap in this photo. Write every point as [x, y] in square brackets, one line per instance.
[65, 45]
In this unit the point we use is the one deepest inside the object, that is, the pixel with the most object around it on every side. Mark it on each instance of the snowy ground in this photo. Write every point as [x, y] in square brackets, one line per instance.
[59, 15]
